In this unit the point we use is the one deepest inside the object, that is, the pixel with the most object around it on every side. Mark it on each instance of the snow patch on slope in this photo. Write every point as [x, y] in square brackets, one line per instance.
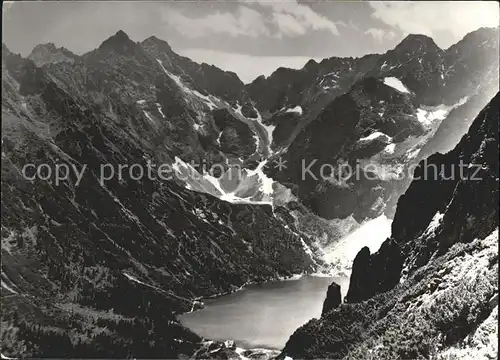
[254, 183]
[160, 110]
[149, 117]
[267, 182]
[297, 109]
[390, 148]
[375, 135]
[371, 234]
[268, 128]
[428, 115]
[434, 224]
[8, 288]
[396, 84]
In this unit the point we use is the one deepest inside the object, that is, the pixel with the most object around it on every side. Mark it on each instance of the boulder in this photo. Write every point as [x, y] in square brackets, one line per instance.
[197, 305]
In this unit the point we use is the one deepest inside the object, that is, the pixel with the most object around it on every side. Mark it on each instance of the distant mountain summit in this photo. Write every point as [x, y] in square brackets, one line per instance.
[120, 42]
[417, 43]
[434, 75]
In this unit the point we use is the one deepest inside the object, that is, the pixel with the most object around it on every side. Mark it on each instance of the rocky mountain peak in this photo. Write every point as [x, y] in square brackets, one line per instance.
[120, 34]
[155, 42]
[311, 63]
[49, 53]
[259, 79]
[48, 46]
[5, 50]
[475, 40]
[484, 33]
[417, 41]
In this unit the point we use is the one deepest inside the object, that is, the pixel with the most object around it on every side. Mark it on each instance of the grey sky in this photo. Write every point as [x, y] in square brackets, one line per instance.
[247, 37]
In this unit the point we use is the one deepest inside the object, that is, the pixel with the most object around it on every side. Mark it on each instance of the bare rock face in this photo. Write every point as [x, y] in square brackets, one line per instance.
[50, 54]
[333, 298]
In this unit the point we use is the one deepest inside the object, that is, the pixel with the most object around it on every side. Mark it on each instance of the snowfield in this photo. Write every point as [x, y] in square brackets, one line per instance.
[257, 186]
[375, 135]
[371, 233]
[269, 130]
[428, 115]
[396, 84]
[297, 109]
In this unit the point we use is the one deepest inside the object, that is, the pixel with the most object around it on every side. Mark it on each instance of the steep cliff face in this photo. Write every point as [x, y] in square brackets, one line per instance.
[370, 131]
[309, 89]
[112, 254]
[432, 288]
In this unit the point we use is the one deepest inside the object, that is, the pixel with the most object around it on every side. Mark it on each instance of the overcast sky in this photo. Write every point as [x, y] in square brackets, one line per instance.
[248, 37]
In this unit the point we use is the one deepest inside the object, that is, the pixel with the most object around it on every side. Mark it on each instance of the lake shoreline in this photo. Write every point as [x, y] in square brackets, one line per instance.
[292, 277]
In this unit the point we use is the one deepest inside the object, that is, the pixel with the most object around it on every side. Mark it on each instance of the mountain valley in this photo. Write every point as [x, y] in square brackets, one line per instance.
[102, 269]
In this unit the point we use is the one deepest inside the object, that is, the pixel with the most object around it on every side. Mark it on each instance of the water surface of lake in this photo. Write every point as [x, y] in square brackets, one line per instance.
[262, 315]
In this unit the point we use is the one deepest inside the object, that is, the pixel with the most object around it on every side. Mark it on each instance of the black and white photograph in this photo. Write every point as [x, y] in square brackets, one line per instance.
[250, 180]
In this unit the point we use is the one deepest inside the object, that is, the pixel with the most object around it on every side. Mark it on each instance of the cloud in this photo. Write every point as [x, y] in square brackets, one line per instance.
[430, 18]
[380, 34]
[349, 24]
[244, 21]
[252, 19]
[288, 25]
[247, 67]
[293, 19]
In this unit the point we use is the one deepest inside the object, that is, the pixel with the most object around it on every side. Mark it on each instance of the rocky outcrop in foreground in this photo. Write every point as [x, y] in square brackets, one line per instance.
[333, 298]
[439, 298]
